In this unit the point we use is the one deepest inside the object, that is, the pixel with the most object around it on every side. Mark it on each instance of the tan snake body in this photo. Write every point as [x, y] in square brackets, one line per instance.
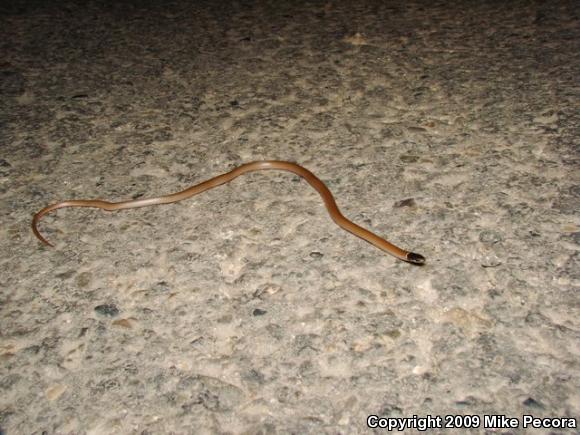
[326, 195]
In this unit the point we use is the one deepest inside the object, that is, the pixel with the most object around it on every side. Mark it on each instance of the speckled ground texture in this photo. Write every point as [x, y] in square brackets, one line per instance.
[449, 128]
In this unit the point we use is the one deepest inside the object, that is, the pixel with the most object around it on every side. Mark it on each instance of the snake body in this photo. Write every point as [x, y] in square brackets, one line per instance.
[326, 195]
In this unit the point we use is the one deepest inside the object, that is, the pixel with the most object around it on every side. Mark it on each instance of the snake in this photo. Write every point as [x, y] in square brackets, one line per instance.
[314, 181]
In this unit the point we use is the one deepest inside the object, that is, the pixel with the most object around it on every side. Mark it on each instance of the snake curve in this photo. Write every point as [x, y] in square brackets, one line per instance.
[324, 192]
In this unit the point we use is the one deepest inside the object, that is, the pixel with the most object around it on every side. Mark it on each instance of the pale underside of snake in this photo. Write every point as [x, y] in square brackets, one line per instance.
[327, 197]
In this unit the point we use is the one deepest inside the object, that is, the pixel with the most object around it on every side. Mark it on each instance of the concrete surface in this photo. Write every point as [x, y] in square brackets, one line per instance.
[450, 128]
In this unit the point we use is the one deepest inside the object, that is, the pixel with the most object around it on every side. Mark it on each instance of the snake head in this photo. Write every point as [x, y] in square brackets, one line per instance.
[415, 258]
